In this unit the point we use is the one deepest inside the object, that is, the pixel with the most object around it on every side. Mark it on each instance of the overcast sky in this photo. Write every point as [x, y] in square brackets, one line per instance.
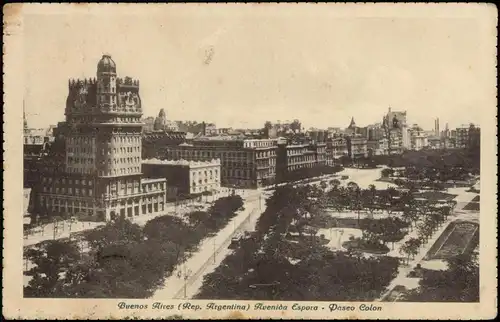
[242, 65]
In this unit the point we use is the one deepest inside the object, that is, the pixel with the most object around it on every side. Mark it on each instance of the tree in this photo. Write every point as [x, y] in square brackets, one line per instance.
[356, 202]
[458, 283]
[386, 173]
[392, 230]
[410, 215]
[387, 199]
[370, 199]
[168, 229]
[410, 248]
[50, 262]
[335, 183]
[120, 230]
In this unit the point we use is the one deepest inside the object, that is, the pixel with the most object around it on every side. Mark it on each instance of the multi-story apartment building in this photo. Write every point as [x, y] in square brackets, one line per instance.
[397, 132]
[336, 148]
[188, 177]
[419, 142]
[467, 136]
[100, 173]
[357, 147]
[245, 163]
[153, 143]
[435, 143]
[375, 132]
[295, 156]
[396, 141]
[383, 147]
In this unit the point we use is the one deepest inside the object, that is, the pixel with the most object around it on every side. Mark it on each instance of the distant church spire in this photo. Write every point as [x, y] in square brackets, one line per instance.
[353, 124]
[24, 117]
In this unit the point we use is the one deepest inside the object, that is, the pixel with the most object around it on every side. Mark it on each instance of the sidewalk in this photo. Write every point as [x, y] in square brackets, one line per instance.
[62, 232]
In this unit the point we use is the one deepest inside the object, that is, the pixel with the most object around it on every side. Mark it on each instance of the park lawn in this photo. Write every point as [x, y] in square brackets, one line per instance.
[328, 221]
[456, 239]
[435, 195]
[361, 245]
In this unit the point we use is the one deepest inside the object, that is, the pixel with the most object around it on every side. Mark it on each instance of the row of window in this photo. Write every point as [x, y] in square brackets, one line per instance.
[70, 169]
[69, 181]
[195, 189]
[237, 173]
[209, 172]
[296, 167]
[266, 163]
[266, 154]
[76, 209]
[81, 150]
[126, 139]
[300, 158]
[259, 144]
[123, 160]
[74, 160]
[153, 187]
[80, 140]
[123, 171]
[296, 152]
[63, 190]
[212, 154]
[127, 149]
[200, 181]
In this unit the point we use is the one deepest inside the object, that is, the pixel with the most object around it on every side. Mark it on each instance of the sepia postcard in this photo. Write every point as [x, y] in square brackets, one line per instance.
[250, 161]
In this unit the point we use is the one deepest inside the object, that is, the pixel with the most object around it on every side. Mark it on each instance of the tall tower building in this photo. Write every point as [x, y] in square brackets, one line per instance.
[101, 174]
[436, 127]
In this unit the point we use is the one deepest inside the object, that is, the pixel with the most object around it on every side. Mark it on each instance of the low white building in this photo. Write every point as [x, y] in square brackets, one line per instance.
[188, 177]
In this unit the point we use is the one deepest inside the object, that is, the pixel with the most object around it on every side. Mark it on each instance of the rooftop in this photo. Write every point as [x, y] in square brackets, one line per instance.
[220, 138]
[151, 180]
[181, 162]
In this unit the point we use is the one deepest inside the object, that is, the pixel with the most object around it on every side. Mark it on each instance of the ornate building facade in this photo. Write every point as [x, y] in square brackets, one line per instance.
[244, 163]
[101, 172]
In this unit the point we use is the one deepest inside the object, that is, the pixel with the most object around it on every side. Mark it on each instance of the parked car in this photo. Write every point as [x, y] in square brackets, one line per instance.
[344, 177]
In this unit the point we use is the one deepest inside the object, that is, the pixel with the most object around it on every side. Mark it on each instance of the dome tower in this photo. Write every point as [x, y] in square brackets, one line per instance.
[106, 84]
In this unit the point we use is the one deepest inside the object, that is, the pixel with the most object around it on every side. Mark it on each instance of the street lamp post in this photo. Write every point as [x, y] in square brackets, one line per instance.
[54, 223]
[260, 201]
[187, 274]
[214, 251]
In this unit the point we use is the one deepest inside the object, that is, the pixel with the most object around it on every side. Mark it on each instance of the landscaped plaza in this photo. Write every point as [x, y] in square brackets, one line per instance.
[336, 231]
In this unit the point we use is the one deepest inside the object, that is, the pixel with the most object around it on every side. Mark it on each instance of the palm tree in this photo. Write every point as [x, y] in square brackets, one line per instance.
[356, 201]
[352, 186]
[410, 216]
[335, 184]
